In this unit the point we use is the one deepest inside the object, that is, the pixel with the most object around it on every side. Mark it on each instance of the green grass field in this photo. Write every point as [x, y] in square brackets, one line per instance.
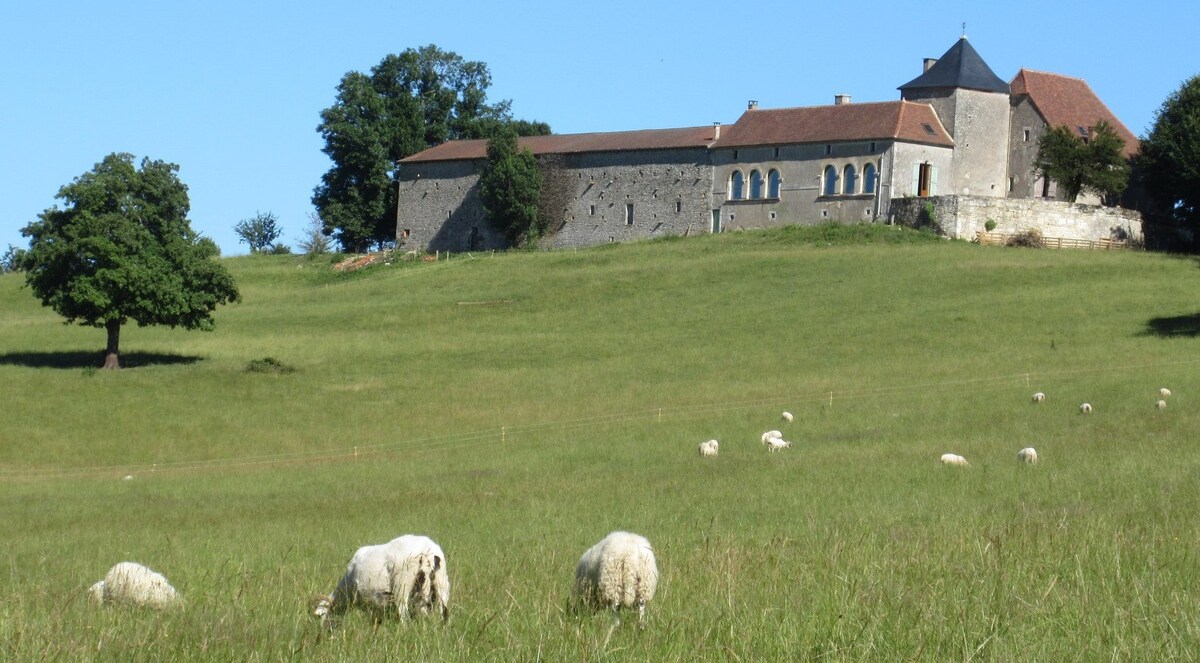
[518, 407]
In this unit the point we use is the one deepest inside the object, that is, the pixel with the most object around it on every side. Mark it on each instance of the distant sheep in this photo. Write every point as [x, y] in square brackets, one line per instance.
[954, 459]
[771, 434]
[1028, 455]
[787, 416]
[407, 574]
[709, 448]
[1162, 405]
[619, 571]
[130, 583]
[1086, 408]
[1039, 397]
[776, 443]
[1164, 392]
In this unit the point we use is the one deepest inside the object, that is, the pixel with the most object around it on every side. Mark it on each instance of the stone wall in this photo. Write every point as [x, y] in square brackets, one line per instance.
[961, 217]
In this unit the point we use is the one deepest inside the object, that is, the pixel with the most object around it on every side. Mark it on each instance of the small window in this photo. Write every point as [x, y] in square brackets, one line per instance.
[772, 216]
[629, 214]
[928, 128]
[872, 148]
[869, 178]
[824, 214]
[828, 150]
[1082, 131]
[1025, 132]
[735, 155]
[777, 153]
[592, 211]
[1012, 183]
[678, 206]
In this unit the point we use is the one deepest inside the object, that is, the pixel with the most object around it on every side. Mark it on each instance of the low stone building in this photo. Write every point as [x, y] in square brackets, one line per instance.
[957, 130]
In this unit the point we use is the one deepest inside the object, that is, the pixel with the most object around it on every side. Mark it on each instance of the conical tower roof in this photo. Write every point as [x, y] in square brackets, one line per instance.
[959, 67]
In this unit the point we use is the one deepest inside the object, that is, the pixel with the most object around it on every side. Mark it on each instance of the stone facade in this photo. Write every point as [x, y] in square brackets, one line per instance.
[962, 217]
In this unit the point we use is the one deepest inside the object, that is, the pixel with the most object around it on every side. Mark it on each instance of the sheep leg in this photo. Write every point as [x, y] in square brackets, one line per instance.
[642, 614]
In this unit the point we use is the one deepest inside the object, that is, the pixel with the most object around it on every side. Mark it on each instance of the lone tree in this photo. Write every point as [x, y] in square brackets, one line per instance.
[259, 232]
[409, 102]
[122, 249]
[510, 187]
[1097, 164]
[1170, 155]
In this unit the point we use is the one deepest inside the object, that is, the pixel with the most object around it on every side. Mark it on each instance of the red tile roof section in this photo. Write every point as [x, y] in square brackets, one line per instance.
[900, 120]
[1062, 100]
[615, 141]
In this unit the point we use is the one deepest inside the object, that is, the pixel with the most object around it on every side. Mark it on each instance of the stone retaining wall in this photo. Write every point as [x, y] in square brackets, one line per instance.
[961, 217]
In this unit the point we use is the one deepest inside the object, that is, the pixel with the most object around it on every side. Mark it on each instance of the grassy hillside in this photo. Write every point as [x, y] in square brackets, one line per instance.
[518, 407]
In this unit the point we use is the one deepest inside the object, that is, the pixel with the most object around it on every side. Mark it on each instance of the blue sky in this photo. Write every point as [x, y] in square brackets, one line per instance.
[233, 93]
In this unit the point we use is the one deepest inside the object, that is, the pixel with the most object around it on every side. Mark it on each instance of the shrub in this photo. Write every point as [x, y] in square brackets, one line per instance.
[989, 225]
[268, 365]
[1031, 238]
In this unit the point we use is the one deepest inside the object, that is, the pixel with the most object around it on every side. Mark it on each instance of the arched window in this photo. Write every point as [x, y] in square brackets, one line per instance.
[869, 178]
[849, 180]
[735, 185]
[773, 183]
[756, 184]
[831, 178]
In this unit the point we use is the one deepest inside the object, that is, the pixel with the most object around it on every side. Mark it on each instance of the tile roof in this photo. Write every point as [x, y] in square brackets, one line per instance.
[614, 141]
[1062, 100]
[961, 66]
[901, 120]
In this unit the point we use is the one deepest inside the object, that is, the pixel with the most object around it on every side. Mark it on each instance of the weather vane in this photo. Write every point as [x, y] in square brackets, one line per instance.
[964, 29]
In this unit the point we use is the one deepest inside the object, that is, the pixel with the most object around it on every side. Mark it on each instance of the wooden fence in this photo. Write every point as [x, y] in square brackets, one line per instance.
[1102, 244]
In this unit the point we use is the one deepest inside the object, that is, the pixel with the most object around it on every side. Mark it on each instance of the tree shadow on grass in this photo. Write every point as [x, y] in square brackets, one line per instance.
[94, 359]
[1179, 325]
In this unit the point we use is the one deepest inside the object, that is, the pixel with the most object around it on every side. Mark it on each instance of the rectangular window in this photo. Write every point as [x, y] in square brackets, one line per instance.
[1025, 131]
[872, 147]
[928, 128]
[592, 211]
[828, 150]
[772, 216]
[1012, 183]
[735, 152]
[678, 206]
[777, 153]
[629, 214]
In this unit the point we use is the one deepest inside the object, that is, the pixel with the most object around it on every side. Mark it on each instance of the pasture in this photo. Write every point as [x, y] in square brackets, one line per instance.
[518, 407]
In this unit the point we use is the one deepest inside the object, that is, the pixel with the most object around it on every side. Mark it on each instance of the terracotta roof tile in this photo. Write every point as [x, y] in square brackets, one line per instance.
[901, 120]
[615, 141]
[1062, 100]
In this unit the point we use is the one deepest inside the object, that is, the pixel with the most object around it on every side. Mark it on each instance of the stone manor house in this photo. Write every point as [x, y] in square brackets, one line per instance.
[959, 136]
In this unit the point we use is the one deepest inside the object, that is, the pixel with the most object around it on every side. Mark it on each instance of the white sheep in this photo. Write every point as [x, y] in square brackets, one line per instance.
[617, 572]
[954, 459]
[1039, 397]
[709, 448]
[770, 435]
[407, 574]
[1161, 404]
[1086, 408]
[777, 443]
[1164, 392]
[787, 416]
[130, 583]
[1028, 455]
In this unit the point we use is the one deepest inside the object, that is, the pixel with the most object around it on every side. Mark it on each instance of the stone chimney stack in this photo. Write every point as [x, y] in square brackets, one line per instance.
[928, 64]
[752, 105]
[841, 99]
[716, 130]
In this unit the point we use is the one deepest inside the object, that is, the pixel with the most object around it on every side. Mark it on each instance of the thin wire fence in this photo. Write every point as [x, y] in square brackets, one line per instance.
[471, 439]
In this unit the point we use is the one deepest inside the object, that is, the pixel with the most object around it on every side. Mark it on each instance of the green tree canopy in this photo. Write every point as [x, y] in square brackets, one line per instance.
[259, 232]
[123, 249]
[509, 189]
[409, 102]
[1097, 164]
[1170, 155]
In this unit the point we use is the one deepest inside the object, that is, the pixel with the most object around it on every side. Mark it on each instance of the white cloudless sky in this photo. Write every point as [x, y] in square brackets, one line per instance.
[232, 92]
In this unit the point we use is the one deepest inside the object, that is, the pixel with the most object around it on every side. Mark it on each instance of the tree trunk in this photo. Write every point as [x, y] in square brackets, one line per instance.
[112, 352]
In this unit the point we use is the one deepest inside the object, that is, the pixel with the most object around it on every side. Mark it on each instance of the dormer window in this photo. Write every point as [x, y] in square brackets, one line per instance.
[928, 128]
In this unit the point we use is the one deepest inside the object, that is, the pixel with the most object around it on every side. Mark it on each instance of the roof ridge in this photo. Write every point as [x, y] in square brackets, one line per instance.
[1047, 73]
[789, 108]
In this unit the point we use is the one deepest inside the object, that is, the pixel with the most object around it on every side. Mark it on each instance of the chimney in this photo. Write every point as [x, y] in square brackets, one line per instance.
[841, 99]
[752, 105]
[716, 131]
[928, 64]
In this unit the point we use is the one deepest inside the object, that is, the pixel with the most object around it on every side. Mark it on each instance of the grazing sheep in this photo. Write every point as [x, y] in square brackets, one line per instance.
[1028, 455]
[777, 443]
[130, 583]
[787, 416]
[1039, 397]
[1164, 392]
[709, 448]
[953, 459]
[1086, 408]
[1162, 405]
[406, 574]
[617, 572]
[771, 434]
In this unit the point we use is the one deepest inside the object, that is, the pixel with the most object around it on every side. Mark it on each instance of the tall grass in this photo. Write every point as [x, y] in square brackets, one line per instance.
[518, 407]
